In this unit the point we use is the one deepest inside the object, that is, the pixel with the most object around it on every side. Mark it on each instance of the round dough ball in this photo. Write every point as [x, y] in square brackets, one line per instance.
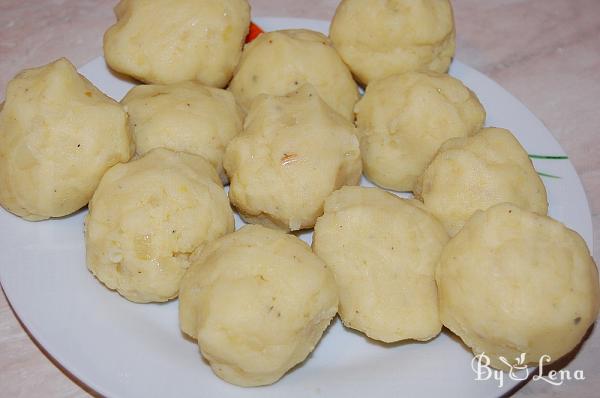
[169, 41]
[294, 151]
[187, 117]
[382, 250]
[475, 173]
[379, 38]
[513, 282]
[404, 119]
[279, 62]
[58, 135]
[148, 216]
[257, 301]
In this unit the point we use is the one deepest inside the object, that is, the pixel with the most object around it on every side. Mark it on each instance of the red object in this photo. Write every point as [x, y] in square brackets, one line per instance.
[254, 32]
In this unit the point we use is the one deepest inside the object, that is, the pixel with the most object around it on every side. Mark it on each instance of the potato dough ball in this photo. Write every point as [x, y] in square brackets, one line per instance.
[185, 117]
[294, 151]
[58, 135]
[403, 119]
[169, 41]
[513, 282]
[382, 250]
[278, 63]
[475, 173]
[257, 301]
[379, 38]
[148, 216]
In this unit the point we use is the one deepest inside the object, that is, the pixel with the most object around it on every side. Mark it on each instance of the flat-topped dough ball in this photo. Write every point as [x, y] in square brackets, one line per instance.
[279, 62]
[382, 250]
[513, 282]
[257, 301]
[58, 135]
[294, 152]
[379, 38]
[475, 173]
[169, 41]
[404, 119]
[186, 117]
[148, 216]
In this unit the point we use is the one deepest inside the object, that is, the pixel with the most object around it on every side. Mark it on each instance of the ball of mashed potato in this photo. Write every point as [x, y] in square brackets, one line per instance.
[148, 216]
[257, 301]
[294, 151]
[379, 38]
[382, 250]
[58, 135]
[187, 117]
[512, 282]
[404, 119]
[475, 173]
[169, 41]
[279, 62]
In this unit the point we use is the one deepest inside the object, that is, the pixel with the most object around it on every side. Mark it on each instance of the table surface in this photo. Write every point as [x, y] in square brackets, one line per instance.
[545, 52]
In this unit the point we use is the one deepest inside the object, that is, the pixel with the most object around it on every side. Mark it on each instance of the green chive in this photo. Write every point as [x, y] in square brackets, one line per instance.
[547, 175]
[548, 157]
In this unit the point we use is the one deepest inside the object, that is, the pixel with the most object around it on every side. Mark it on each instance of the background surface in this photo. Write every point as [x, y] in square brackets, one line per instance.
[545, 52]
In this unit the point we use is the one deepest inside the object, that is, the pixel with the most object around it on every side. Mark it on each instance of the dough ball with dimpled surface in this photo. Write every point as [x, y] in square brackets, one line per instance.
[279, 62]
[257, 301]
[169, 41]
[294, 151]
[513, 282]
[475, 173]
[58, 135]
[404, 119]
[379, 38]
[148, 216]
[382, 250]
[187, 117]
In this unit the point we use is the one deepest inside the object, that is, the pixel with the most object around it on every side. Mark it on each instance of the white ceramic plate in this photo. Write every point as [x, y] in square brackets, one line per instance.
[121, 349]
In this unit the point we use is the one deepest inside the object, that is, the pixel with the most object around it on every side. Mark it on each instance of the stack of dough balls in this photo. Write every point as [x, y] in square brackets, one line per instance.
[279, 62]
[475, 251]
[294, 152]
[184, 117]
[514, 282]
[379, 38]
[257, 301]
[169, 41]
[404, 119]
[382, 250]
[475, 173]
[147, 217]
[58, 135]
